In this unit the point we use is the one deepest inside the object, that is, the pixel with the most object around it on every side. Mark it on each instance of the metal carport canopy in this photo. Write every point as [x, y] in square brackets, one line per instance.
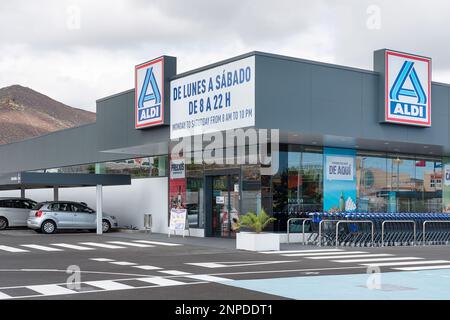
[41, 180]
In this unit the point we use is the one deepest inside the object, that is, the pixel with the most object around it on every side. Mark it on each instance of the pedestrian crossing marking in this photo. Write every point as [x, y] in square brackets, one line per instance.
[174, 272]
[123, 243]
[40, 247]
[4, 296]
[50, 289]
[388, 264]
[377, 260]
[208, 278]
[12, 249]
[71, 246]
[351, 256]
[163, 282]
[102, 259]
[424, 268]
[321, 254]
[168, 244]
[102, 245]
[146, 267]
[123, 263]
[301, 251]
[108, 285]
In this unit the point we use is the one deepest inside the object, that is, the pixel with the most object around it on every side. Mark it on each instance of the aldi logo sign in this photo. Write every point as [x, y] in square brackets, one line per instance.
[149, 93]
[407, 89]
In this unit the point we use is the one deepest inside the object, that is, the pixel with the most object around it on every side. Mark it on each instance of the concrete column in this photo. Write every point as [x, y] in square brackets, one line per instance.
[22, 192]
[99, 208]
[55, 193]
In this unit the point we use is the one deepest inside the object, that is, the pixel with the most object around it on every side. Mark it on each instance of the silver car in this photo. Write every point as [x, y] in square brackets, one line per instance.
[47, 217]
[14, 212]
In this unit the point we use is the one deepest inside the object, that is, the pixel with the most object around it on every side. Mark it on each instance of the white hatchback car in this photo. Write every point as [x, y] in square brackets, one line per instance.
[14, 212]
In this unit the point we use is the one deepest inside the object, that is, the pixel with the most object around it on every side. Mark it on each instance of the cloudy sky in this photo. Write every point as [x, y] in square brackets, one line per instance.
[78, 51]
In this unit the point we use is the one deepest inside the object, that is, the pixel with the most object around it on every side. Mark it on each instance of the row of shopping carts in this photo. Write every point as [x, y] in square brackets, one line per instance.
[377, 229]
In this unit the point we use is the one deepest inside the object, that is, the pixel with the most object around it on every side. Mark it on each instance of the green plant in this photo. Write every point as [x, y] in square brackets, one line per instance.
[255, 222]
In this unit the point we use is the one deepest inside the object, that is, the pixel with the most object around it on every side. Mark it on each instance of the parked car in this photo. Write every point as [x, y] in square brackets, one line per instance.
[47, 217]
[14, 211]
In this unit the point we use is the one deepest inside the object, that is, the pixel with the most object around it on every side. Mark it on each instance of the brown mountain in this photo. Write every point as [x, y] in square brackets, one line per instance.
[25, 113]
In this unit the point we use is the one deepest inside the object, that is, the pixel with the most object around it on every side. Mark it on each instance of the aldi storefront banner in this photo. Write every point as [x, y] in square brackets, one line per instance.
[221, 98]
[339, 182]
[406, 87]
[149, 93]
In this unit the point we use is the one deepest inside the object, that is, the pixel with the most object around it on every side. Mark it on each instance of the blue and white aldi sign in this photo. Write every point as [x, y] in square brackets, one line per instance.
[149, 93]
[407, 89]
[217, 99]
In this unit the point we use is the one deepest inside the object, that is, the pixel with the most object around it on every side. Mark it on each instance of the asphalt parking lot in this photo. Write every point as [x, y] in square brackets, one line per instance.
[152, 266]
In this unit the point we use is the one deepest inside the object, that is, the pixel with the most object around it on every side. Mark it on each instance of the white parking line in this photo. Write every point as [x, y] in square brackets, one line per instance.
[146, 267]
[124, 243]
[447, 266]
[301, 251]
[388, 264]
[322, 254]
[102, 245]
[352, 256]
[377, 260]
[71, 246]
[50, 289]
[161, 281]
[175, 272]
[158, 243]
[12, 249]
[108, 285]
[39, 247]
[123, 263]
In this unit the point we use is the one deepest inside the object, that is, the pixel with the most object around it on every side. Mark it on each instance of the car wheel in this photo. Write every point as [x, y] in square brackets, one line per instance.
[48, 227]
[106, 226]
[3, 223]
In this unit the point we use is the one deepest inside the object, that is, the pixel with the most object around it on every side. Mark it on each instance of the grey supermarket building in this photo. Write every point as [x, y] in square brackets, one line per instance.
[349, 140]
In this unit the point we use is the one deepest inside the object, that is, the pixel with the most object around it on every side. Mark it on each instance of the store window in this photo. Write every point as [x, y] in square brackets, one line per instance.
[195, 195]
[372, 189]
[297, 187]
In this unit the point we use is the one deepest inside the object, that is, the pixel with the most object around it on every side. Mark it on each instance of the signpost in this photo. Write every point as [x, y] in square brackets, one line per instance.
[178, 221]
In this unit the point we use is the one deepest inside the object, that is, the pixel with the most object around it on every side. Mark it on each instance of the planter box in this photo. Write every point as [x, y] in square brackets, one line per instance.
[253, 241]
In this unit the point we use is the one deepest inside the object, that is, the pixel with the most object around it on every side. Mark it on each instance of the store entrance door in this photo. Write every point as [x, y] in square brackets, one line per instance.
[223, 204]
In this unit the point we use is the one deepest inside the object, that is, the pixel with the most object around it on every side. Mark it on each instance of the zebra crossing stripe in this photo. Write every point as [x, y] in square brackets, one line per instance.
[205, 277]
[4, 296]
[102, 245]
[146, 267]
[123, 263]
[301, 251]
[175, 272]
[101, 259]
[39, 247]
[123, 243]
[50, 289]
[12, 249]
[168, 244]
[71, 246]
[322, 254]
[388, 264]
[109, 285]
[352, 256]
[377, 260]
[447, 266]
[163, 282]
